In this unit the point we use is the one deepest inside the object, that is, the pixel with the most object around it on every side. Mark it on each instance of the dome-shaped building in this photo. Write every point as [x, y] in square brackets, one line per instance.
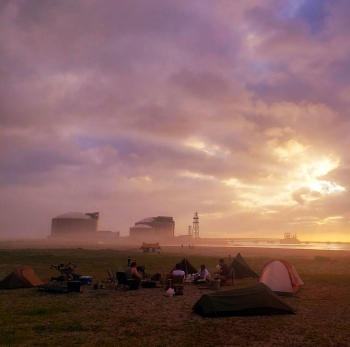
[153, 227]
[73, 224]
[142, 230]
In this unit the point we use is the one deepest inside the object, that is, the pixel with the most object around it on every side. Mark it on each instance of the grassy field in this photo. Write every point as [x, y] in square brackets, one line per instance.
[110, 317]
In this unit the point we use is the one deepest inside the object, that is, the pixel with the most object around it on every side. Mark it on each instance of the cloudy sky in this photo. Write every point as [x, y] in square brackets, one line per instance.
[238, 110]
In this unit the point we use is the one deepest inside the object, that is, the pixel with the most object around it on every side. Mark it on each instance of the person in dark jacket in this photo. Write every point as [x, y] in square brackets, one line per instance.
[223, 271]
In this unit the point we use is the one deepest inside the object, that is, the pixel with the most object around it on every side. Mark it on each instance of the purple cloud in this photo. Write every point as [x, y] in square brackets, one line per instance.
[237, 111]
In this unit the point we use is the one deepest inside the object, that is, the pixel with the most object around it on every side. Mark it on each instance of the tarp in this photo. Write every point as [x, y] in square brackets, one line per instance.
[187, 267]
[21, 277]
[242, 270]
[255, 300]
[150, 245]
[281, 277]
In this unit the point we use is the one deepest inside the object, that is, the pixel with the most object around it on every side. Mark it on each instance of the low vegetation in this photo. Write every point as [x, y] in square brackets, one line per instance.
[110, 317]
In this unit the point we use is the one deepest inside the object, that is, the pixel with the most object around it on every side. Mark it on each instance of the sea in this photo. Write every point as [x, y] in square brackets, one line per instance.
[344, 246]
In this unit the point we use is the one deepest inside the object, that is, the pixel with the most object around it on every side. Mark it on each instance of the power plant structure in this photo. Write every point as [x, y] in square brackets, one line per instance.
[75, 224]
[153, 228]
[195, 229]
[190, 231]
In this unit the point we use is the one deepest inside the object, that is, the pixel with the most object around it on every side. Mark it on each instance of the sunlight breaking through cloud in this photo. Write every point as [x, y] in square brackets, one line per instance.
[196, 175]
[115, 109]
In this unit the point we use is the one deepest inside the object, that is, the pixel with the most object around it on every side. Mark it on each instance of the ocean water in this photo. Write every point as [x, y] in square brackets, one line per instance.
[311, 245]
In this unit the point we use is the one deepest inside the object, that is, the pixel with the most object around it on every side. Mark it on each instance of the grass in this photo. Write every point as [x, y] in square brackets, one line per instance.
[108, 317]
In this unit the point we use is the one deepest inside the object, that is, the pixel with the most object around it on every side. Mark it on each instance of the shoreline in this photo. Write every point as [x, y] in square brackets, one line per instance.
[255, 251]
[205, 250]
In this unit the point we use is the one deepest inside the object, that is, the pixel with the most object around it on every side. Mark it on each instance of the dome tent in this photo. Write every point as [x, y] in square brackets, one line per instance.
[281, 277]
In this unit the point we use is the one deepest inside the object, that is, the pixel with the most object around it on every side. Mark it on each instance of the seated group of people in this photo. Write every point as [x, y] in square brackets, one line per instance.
[221, 273]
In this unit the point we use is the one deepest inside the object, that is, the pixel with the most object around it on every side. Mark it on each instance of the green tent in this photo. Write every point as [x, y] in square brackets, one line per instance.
[242, 269]
[255, 300]
[187, 267]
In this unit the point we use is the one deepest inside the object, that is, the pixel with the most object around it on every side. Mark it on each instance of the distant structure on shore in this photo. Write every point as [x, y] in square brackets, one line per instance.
[77, 225]
[153, 228]
[290, 239]
[196, 226]
[74, 224]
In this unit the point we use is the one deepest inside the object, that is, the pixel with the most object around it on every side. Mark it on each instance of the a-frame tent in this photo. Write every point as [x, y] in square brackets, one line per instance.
[21, 277]
[187, 267]
[242, 269]
[255, 300]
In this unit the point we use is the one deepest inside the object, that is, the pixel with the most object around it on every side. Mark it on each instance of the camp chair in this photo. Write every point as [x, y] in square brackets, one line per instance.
[111, 278]
[231, 278]
[123, 281]
[177, 284]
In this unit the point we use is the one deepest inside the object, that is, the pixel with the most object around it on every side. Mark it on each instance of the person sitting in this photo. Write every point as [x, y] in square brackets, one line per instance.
[176, 272]
[131, 273]
[223, 271]
[202, 274]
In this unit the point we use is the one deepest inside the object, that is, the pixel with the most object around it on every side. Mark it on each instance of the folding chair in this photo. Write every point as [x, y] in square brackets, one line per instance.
[123, 281]
[231, 278]
[177, 284]
[111, 278]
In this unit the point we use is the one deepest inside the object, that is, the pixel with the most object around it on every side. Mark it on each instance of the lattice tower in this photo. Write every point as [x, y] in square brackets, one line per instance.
[196, 226]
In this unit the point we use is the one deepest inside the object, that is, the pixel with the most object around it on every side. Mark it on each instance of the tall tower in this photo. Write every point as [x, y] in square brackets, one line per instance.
[190, 231]
[195, 226]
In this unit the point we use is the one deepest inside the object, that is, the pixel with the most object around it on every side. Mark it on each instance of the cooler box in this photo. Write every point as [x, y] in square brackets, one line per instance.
[85, 280]
[73, 286]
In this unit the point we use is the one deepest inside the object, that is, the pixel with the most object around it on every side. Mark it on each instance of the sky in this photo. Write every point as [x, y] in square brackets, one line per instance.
[237, 110]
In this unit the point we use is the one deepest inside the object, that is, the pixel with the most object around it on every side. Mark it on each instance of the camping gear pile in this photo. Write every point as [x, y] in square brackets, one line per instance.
[66, 271]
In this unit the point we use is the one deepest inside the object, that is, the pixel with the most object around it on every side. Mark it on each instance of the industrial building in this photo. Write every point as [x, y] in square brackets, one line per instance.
[153, 228]
[75, 224]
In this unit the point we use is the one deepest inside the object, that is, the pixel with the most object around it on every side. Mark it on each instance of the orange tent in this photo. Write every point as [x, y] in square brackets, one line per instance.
[21, 277]
[150, 246]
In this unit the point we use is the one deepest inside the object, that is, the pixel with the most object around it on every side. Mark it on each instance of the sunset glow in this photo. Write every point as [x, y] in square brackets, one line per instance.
[238, 111]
